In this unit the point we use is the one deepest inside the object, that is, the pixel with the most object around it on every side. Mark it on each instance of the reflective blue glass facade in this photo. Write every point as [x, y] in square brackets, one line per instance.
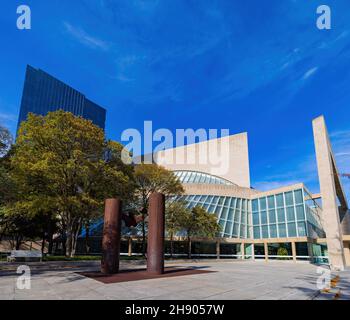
[199, 178]
[43, 93]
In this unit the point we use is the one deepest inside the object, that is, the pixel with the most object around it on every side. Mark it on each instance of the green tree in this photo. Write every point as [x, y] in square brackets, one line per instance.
[175, 212]
[151, 178]
[199, 223]
[282, 251]
[63, 165]
[5, 140]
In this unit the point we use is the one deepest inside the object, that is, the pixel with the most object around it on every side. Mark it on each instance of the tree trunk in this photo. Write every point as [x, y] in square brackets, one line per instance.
[43, 244]
[69, 241]
[87, 231]
[18, 242]
[50, 248]
[189, 247]
[171, 245]
[50, 237]
[143, 236]
[72, 238]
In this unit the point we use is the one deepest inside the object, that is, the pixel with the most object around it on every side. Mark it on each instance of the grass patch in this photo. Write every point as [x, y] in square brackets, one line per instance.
[87, 258]
[77, 258]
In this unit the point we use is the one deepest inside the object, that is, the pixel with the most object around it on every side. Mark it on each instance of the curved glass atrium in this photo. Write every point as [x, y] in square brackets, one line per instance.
[200, 178]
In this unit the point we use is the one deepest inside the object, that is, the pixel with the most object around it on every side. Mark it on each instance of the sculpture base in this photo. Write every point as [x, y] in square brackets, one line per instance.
[141, 274]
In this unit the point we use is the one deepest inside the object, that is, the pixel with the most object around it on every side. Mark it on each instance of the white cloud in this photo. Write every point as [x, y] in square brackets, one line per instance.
[84, 38]
[309, 73]
[8, 117]
[270, 185]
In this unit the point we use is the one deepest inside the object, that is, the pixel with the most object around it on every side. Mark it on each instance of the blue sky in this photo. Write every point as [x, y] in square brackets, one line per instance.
[256, 66]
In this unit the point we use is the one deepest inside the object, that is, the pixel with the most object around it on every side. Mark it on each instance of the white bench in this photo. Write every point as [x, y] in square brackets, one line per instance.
[26, 255]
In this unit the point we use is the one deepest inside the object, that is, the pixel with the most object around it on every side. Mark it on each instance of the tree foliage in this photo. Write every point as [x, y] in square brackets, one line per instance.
[175, 214]
[5, 140]
[63, 165]
[198, 223]
[151, 178]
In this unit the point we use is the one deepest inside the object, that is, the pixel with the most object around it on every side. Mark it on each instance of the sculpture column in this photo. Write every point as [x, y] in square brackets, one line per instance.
[156, 226]
[111, 236]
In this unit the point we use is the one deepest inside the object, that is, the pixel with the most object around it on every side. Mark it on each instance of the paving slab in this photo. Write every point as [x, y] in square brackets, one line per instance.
[231, 280]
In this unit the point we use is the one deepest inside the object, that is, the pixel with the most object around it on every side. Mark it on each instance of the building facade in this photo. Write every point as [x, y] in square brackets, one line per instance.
[43, 93]
[311, 226]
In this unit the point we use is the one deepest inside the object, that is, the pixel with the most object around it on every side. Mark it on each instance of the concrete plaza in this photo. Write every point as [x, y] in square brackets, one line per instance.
[231, 280]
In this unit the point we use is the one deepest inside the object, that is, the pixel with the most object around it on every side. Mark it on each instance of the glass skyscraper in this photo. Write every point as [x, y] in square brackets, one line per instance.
[43, 93]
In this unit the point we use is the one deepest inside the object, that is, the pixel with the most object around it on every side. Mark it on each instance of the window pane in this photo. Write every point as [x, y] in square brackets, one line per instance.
[279, 200]
[262, 202]
[256, 232]
[222, 223]
[228, 227]
[237, 215]
[300, 212]
[212, 208]
[235, 229]
[242, 233]
[301, 229]
[255, 205]
[202, 199]
[290, 214]
[280, 215]
[272, 216]
[244, 205]
[282, 230]
[215, 200]
[273, 231]
[265, 232]
[230, 215]
[210, 198]
[244, 217]
[227, 201]
[263, 217]
[289, 198]
[298, 195]
[292, 232]
[221, 200]
[271, 201]
[197, 198]
[224, 213]
[255, 218]
[238, 203]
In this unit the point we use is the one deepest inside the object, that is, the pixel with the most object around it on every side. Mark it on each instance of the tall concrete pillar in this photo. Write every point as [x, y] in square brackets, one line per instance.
[266, 251]
[130, 247]
[294, 251]
[242, 251]
[217, 249]
[156, 226]
[331, 189]
[253, 251]
[111, 236]
[347, 252]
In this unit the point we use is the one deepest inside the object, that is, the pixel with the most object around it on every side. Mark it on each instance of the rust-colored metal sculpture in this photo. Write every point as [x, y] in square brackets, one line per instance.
[155, 245]
[111, 236]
